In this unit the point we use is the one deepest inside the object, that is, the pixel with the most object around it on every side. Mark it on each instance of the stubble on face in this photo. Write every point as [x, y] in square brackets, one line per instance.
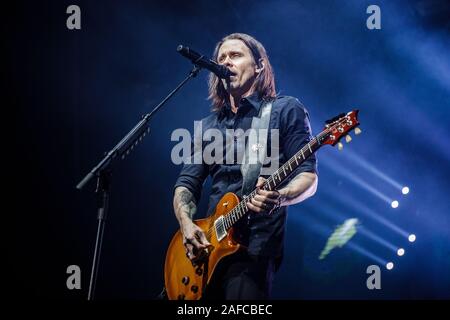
[236, 56]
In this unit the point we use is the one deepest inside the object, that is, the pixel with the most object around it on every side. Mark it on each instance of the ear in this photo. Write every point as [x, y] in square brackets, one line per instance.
[260, 66]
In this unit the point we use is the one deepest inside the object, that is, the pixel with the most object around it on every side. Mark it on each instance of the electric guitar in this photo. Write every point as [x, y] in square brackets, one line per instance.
[185, 279]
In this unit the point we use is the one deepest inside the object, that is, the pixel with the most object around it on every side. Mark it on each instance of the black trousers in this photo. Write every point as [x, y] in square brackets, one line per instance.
[241, 276]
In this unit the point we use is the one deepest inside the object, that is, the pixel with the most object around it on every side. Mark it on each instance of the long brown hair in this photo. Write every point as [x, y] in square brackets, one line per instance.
[264, 83]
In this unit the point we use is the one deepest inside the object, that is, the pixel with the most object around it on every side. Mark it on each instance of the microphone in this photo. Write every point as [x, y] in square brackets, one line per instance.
[204, 62]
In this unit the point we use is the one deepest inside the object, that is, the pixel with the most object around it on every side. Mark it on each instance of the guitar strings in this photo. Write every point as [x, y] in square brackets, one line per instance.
[242, 203]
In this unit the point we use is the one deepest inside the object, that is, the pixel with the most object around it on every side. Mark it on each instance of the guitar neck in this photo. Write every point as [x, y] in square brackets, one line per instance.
[277, 178]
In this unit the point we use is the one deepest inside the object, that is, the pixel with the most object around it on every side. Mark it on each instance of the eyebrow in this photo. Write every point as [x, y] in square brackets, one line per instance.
[230, 52]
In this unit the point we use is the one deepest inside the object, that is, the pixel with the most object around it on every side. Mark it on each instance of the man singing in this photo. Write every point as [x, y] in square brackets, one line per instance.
[247, 274]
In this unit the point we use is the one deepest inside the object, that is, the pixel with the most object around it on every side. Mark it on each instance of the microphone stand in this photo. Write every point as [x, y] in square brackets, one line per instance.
[103, 172]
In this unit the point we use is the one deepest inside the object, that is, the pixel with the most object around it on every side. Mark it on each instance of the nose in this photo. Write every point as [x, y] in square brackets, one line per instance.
[227, 62]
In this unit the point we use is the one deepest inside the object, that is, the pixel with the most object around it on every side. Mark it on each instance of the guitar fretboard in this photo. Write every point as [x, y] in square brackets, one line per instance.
[275, 180]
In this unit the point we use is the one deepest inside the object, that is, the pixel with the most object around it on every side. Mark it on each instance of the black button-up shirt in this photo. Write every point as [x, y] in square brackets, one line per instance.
[263, 234]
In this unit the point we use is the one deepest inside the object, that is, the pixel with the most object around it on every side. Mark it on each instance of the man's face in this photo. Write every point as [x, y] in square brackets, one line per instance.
[236, 56]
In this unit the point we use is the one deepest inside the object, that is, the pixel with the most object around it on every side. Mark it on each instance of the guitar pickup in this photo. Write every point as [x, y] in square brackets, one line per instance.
[219, 226]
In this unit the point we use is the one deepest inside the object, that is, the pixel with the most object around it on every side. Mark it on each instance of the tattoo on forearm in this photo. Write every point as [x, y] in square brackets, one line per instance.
[184, 202]
[300, 188]
[295, 179]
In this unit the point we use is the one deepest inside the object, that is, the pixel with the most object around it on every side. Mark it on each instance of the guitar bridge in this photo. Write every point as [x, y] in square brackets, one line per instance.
[219, 226]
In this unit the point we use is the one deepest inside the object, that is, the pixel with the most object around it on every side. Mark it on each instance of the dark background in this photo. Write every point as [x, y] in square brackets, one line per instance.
[72, 94]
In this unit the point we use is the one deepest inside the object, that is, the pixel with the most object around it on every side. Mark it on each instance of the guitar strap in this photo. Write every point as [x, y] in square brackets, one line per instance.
[255, 149]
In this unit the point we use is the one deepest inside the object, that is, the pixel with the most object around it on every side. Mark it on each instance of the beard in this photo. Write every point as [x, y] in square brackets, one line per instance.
[233, 86]
[230, 85]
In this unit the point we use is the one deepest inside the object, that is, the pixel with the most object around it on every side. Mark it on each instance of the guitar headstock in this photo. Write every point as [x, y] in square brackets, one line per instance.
[340, 126]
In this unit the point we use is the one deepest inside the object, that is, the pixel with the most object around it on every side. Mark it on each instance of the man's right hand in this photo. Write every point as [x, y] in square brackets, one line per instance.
[194, 239]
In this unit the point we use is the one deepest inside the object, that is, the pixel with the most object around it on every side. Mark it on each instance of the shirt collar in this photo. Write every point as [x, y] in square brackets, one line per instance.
[253, 100]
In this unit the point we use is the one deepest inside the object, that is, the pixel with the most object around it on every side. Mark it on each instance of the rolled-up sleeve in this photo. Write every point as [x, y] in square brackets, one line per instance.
[192, 176]
[295, 130]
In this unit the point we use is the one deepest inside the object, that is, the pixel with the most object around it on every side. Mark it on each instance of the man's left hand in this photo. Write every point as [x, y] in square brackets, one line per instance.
[264, 201]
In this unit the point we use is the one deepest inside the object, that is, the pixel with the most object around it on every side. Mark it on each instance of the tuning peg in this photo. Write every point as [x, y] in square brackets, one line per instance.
[357, 131]
[340, 146]
[348, 138]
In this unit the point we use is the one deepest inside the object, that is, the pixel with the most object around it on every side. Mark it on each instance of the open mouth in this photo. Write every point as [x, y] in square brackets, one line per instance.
[233, 74]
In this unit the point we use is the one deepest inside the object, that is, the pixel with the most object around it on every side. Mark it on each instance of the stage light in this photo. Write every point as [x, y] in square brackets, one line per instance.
[365, 252]
[389, 265]
[357, 180]
[394, 204]
[412, 238]
[400, 252]
[382, 241]
[359, 206]
[405, 190]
